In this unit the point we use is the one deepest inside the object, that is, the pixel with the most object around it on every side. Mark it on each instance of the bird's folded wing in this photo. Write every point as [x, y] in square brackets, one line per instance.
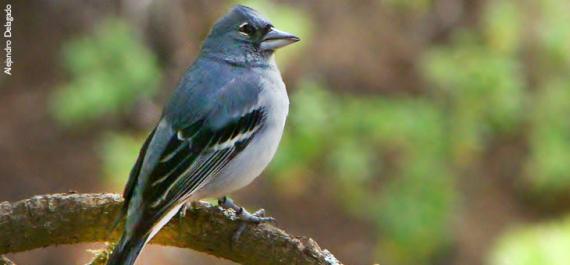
[198, 153]
[192, 156]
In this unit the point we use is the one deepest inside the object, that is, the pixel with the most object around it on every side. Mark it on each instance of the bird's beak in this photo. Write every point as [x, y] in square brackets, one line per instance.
[276, 39]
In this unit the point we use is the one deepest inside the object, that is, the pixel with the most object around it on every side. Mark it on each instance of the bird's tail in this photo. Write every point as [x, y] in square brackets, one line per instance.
[127, 250]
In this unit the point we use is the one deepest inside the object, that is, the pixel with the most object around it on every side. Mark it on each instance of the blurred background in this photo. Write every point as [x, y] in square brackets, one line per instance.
[420, 132]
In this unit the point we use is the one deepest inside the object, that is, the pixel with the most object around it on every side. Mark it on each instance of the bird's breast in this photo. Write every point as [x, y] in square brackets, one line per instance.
[249, 164]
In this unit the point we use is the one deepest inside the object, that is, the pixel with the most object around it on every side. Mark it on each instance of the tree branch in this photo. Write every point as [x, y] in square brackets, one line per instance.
[5, 261]
[56, 219]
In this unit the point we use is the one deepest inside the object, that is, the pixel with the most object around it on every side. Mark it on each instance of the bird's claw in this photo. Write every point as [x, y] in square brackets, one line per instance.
[244, 216]
[256, 217]
[248, 218]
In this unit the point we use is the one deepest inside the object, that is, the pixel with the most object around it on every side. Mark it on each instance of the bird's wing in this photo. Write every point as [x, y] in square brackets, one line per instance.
[180, 157]
[197, 153]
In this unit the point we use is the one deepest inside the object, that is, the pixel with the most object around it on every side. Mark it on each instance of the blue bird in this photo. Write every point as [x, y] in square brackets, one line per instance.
[218, 132]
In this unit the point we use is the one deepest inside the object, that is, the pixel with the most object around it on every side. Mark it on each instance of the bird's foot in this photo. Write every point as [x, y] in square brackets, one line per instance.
[256, 217]
[187, 206]
[244, 216]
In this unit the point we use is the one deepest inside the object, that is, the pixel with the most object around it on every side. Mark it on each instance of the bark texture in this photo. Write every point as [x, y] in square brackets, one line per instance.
[56, 219]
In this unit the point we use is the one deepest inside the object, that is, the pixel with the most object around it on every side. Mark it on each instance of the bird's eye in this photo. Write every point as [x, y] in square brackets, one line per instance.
[247, 29]
[268, 28]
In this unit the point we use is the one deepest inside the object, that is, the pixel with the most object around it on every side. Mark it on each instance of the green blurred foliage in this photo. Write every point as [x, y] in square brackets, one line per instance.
[483, 78]
[549, 162]
[407, 7]
[109, 70]
[394, 160]
[554, 34]
[541, 244]
[483, 89]
[548, 167]
[384, 157]
[118, 152]
[502, 27]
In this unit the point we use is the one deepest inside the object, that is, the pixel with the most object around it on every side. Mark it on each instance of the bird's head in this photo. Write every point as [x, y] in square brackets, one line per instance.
[245, 35]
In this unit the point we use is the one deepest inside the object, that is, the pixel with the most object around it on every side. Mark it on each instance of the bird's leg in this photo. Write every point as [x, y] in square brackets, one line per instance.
[228, 203]
[243, 215]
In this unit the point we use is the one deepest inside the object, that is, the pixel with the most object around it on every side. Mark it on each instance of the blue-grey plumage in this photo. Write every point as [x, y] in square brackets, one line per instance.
[217, 133]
